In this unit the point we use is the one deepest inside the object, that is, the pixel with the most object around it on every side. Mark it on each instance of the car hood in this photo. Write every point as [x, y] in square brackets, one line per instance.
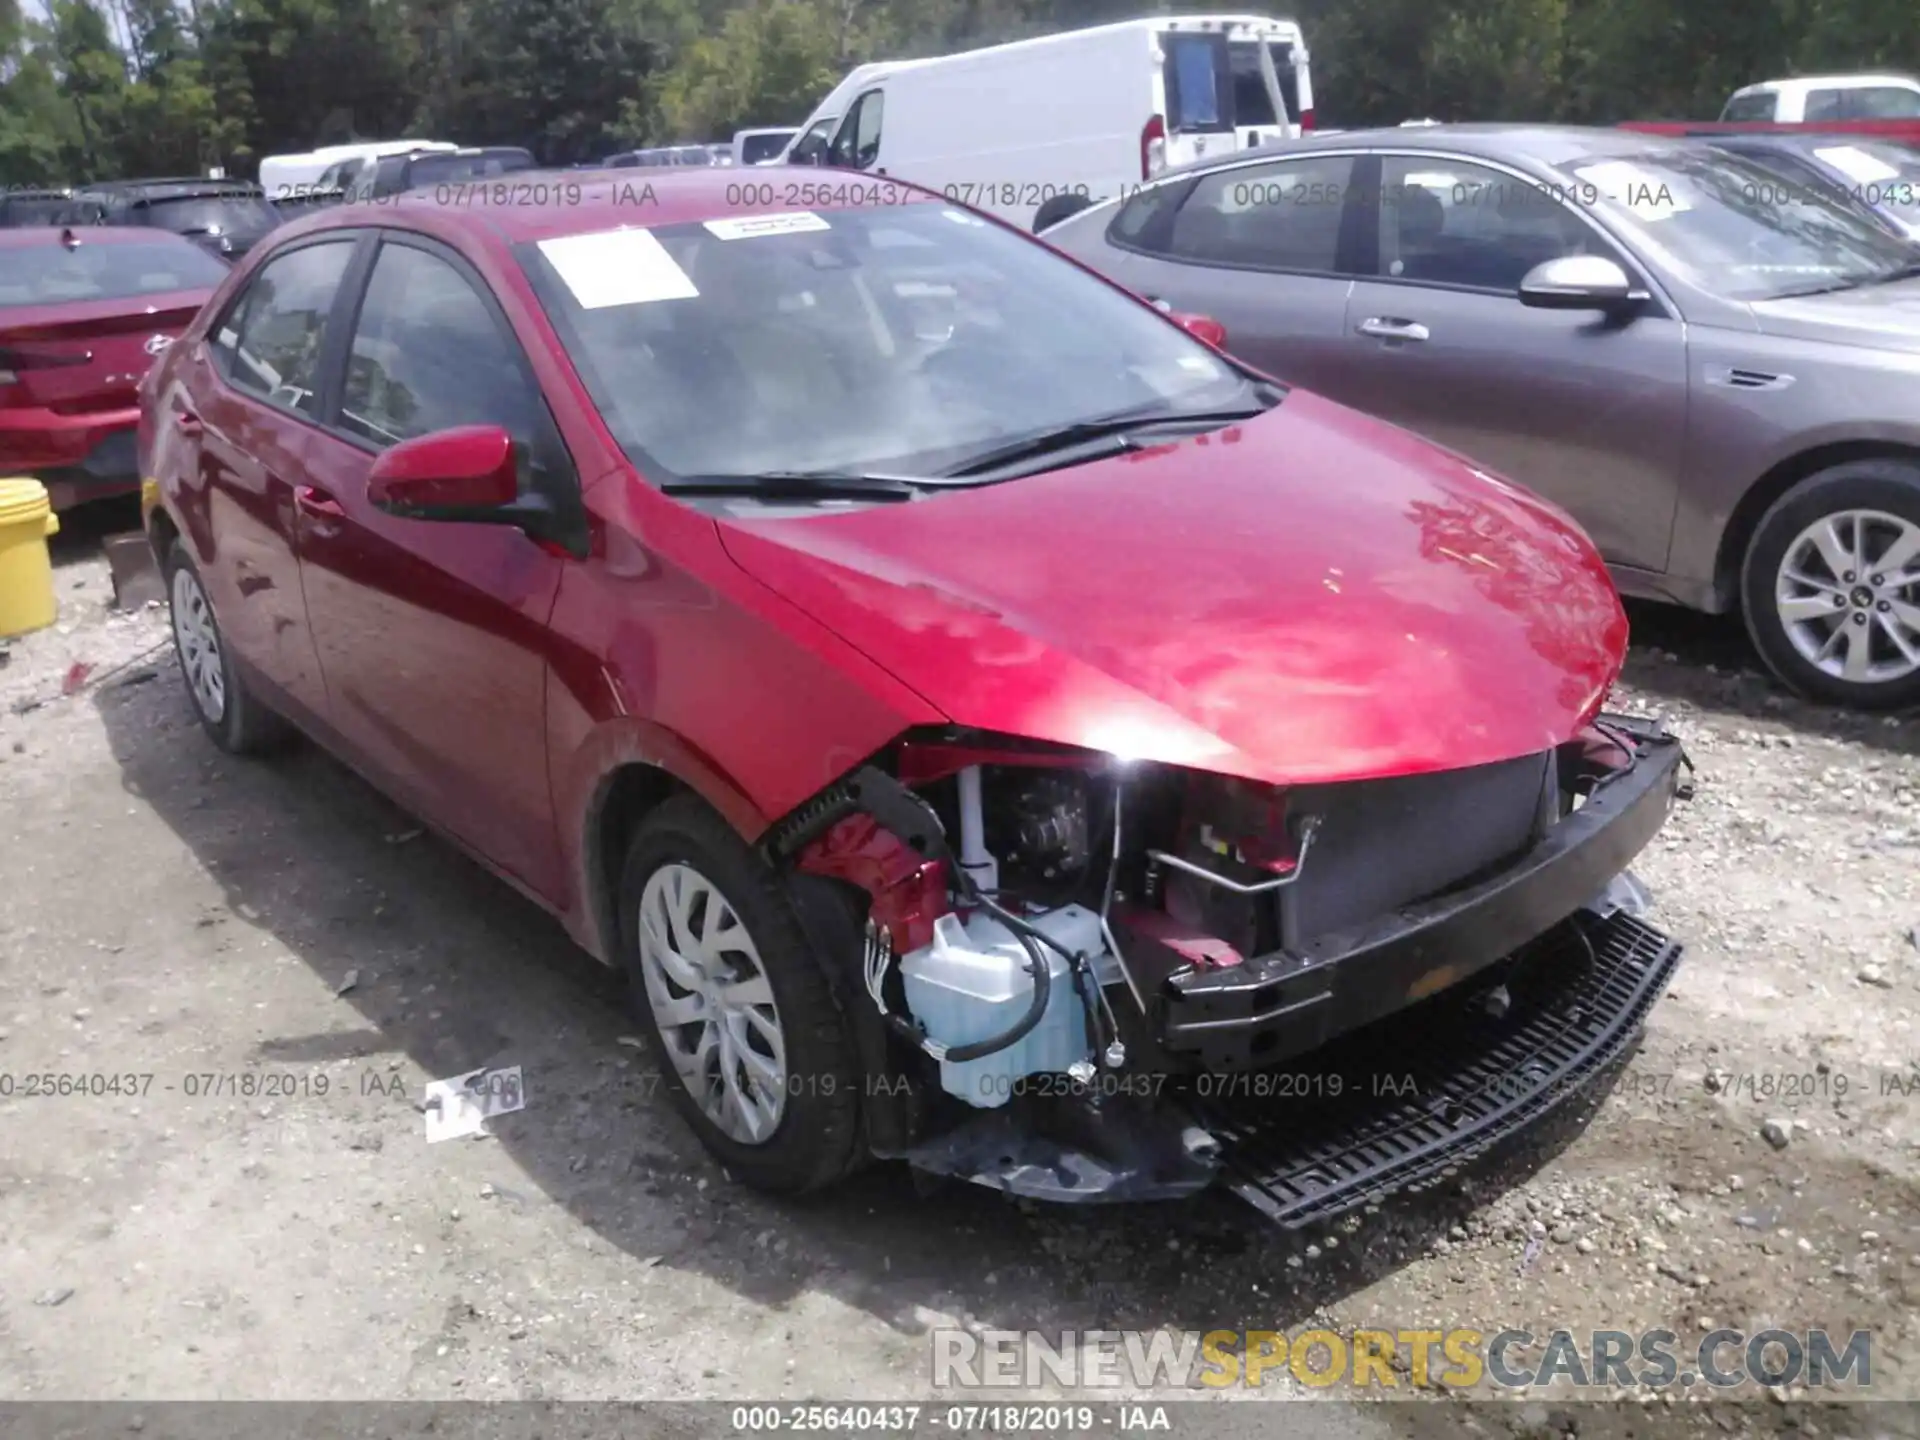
[1306, 597]
[1880, 317]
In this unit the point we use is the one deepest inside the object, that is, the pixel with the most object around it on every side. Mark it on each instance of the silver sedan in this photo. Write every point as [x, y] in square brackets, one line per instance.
[1721, 385]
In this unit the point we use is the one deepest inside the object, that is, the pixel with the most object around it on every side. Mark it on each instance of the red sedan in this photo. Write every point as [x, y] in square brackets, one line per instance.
[989, 725]
[83, 313]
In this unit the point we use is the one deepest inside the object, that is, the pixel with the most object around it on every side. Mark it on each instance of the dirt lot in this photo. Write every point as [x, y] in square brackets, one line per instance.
[170, 912]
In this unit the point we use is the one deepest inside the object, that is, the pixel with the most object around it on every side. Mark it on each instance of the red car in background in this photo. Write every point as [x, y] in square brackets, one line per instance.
[83, 314]
[988, 725]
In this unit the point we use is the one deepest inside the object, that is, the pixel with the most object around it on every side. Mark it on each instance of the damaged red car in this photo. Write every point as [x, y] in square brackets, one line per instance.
[990, 726]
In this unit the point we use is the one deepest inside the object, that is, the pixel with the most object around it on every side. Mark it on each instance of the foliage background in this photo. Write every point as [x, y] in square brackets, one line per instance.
[91, 89]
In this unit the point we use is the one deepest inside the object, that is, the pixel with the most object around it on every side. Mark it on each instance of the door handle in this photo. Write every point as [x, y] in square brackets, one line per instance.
[188, 423]
[317, 502]
[1380, 328]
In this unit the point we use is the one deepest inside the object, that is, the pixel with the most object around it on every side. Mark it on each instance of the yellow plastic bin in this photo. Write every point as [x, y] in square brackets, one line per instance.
[26, 570]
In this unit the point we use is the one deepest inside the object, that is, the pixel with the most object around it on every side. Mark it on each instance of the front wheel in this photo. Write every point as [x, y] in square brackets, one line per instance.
[756, 1052]
[1831, 586]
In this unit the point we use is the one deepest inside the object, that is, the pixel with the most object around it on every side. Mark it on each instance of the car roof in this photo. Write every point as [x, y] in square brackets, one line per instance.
[608, 200]
[1538, 144]
[1826, 82]
[184, 189]
[33, 235]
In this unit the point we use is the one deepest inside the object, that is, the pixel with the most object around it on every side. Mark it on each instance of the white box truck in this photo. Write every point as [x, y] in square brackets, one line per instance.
[1036, 129]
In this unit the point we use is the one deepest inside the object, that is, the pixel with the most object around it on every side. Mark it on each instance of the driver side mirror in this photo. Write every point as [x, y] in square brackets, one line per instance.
[1579, 282]
[446, 474]
[471, 474]
[809, 150]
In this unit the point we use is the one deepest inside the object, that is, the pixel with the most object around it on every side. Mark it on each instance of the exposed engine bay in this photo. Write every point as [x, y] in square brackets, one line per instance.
[1081, 979]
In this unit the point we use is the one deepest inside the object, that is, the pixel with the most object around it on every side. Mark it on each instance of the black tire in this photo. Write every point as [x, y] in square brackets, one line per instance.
[239, 724]
[1056, 208]
[816, 1139]
[1889, 487]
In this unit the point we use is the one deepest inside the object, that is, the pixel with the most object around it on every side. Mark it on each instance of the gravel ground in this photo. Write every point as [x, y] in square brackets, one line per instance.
[168, 911]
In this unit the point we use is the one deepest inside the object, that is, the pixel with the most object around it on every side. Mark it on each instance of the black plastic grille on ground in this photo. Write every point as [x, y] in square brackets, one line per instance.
[1404, 1103]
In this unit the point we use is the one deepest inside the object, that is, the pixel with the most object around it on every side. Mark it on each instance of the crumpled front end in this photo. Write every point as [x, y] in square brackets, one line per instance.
[1083, 979]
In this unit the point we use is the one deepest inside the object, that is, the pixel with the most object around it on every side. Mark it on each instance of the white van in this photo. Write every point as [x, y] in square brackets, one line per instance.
[1036, 129]
[286, 177]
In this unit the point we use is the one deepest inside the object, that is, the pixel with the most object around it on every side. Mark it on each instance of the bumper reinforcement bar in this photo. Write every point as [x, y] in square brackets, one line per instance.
[1403, 1103]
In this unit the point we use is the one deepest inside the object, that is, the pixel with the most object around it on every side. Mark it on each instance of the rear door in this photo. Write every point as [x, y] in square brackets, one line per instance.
[245, 406]
[433, 636]
[1267, 250]
[1591, 412]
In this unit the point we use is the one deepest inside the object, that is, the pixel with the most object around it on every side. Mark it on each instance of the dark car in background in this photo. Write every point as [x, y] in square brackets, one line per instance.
[83, 314]
[425, 169]
[1717, 386]
[225, 217]
[33, 205]
[1882, 177]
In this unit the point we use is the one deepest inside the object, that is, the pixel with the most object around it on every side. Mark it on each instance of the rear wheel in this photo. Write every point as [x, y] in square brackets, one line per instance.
[757, 1055]
[227, 710]
[1831, 585]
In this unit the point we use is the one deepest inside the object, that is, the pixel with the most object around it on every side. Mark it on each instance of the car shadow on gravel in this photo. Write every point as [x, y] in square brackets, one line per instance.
[453, 970]
[1706, 662]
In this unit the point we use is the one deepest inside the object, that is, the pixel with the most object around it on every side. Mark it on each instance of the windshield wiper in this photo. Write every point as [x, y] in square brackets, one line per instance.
[1082, 432]
[801, 485]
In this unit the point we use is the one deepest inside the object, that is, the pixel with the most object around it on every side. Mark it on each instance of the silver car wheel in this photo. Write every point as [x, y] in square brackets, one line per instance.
[708, 991]
[197, 639]
[1848, 596]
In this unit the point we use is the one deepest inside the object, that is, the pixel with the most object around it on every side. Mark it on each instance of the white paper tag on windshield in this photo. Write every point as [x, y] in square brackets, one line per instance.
[617, 267]
[1857, 165]
[756, 225]
[1647, 195]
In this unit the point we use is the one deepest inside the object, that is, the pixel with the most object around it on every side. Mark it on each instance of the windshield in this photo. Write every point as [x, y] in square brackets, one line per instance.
[1884, 176]
[53, 274]
[904, 340]
[212, 214]
[1719, 220]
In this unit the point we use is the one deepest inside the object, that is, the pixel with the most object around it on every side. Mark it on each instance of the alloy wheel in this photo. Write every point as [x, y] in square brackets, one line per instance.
[197, 639]
[707, 988]
[1848, 596]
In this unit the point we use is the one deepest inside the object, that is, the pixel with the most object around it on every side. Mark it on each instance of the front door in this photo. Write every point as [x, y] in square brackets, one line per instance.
[433, 636]
[1587, 410]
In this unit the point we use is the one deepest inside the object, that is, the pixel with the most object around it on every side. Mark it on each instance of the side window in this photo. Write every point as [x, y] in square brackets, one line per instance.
[1285, 216]
[1134, 225]
[427, 354]
[858, 143]
[1827, 105]
[1887, 102]
[1448, 223]
[269, 344]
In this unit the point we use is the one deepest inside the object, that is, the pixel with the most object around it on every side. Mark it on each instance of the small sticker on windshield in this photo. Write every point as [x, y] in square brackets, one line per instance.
[1857, 165]
[617, 267]
[1647, 195]
[756, 225]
